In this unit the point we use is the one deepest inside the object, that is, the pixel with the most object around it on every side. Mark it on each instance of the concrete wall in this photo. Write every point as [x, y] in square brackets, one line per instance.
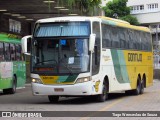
[148, 18]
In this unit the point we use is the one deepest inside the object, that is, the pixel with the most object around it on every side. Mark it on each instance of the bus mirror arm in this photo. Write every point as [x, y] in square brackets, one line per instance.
[26, 44]
[92, 39]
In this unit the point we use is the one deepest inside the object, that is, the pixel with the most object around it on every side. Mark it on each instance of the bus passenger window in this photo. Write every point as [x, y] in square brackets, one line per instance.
[122, 38]
[148, 37]
[143, 41]
[114, 37]
[106, 38]
[131, 40]
[138, 40]
[12, 49]
[18, 53]
[1, 52]
[7, 51]
[127, 39]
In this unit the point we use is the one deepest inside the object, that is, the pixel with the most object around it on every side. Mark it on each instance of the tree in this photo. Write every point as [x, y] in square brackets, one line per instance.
[86, 6]
[120, 9]
[131, 19]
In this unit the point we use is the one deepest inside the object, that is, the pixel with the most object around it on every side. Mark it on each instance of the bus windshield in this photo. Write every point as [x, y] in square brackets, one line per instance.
[62, 29]
[61, 47]
[60, 56]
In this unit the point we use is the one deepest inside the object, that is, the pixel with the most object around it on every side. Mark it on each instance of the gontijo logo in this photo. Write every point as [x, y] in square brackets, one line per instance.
[134, 57]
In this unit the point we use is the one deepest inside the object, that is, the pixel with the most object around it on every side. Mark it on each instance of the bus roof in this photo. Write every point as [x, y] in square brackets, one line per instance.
[122, 23]
[5, 38]
[106, 20]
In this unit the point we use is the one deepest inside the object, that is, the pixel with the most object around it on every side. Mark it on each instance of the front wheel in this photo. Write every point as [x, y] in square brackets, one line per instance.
[102, 97]
[53, 99]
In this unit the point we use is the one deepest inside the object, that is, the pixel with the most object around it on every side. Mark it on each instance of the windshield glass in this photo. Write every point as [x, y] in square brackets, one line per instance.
[60, 55]
[62, 29]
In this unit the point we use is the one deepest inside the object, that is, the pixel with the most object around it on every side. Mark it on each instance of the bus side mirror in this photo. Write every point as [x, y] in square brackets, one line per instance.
[92, 40]
[26, 44]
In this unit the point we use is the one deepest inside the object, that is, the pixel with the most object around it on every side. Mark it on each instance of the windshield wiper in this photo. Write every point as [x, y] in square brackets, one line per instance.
[47, 61]
[64, 64]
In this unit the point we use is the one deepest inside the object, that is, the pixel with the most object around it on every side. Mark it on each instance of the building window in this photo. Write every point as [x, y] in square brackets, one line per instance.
[137, 9]
[14, 26]
[153, 7]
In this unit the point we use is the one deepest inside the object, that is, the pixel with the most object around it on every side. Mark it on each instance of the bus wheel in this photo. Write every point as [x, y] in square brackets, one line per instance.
[102, 97]
[138, 89]
[53, 99]
[142, 87]
[13, 89]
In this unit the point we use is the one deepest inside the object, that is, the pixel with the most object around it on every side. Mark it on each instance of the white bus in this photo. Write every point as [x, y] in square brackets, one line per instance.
[84, 56]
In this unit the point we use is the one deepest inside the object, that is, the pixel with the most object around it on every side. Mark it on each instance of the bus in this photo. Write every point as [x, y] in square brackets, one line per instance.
[12, 65]
[89, 56]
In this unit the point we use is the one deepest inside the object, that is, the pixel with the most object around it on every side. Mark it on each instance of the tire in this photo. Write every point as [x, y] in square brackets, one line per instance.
[53, 99]
[128, 92]
[13, 89]
[102, 97]
[138, 88]
[142, 87]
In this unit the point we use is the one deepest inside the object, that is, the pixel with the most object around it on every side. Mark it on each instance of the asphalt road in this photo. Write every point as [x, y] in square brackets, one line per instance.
[23, 100]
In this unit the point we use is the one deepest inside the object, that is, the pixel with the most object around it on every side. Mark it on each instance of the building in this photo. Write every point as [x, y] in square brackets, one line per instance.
[148, 14]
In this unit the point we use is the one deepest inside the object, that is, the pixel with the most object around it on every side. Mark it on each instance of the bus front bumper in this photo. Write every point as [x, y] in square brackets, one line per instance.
[80, 89]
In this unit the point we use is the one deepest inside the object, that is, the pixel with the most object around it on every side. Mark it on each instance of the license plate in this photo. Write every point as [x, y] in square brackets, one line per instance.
[58, 89]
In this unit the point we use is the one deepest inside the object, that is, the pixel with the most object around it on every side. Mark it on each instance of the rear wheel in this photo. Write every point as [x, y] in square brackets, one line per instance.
[142, 87]
[13, 89]
[138, 88]
[53, 99]
[102, 97]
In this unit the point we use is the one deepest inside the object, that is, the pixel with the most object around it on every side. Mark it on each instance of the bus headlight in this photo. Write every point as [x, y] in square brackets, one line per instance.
[36, 80]
[85, 79]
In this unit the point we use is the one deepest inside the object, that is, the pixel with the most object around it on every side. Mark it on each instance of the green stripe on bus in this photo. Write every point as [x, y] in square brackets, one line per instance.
[5, 38]
[120, 66]
[64, 79]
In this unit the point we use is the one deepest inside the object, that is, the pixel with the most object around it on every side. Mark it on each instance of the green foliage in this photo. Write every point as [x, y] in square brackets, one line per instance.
[117, 6]
[88, 5]
[131, 19]
[120, 8]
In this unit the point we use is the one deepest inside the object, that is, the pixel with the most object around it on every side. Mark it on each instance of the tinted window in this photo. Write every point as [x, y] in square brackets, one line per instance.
[62, 29]
[131, 39]
[137, 40]
[106, 36]
[143, 41]
[148, 42]
[115, 37]
[7, 51]
[13, 52]
[122, 38]
[96, 54]
[18, 53]
[1, 52]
